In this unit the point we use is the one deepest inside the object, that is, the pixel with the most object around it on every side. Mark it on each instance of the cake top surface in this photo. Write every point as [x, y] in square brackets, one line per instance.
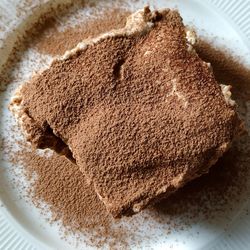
[141, 113]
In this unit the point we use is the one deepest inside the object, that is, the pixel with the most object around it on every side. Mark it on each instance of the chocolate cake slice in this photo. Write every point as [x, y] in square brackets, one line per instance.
[136, 108]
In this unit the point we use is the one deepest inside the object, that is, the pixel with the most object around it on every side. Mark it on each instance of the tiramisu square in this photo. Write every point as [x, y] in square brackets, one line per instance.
[136, 108]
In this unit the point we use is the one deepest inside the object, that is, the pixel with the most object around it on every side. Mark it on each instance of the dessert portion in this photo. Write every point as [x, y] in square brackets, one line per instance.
[136, 108]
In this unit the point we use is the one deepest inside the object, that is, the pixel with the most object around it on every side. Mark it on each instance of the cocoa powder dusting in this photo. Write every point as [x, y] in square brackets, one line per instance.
[62, 186]
[227, 68]
[121, 106]
[206, 198]
[225, 184]
[55, 42]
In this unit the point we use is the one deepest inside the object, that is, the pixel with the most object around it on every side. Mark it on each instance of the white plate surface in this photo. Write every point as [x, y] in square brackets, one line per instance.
[22, 226]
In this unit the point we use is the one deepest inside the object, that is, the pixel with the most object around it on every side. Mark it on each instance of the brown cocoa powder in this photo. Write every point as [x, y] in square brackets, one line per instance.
[227, 68]
[79, 207]
[205, 198]
[225, 184]
[220, 187]
[55, 42]
[61, 185]
[123, 113]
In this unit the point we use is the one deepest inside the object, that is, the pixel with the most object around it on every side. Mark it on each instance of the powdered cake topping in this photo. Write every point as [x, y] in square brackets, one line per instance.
[140, 112]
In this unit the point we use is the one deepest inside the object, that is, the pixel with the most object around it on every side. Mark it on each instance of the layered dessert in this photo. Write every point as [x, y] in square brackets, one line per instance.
[135, 108]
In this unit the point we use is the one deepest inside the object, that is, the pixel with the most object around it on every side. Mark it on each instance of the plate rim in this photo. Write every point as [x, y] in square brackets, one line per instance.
[232, 13]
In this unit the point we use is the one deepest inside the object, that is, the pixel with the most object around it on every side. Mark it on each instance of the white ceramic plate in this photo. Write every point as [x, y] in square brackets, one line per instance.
[22, 226]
